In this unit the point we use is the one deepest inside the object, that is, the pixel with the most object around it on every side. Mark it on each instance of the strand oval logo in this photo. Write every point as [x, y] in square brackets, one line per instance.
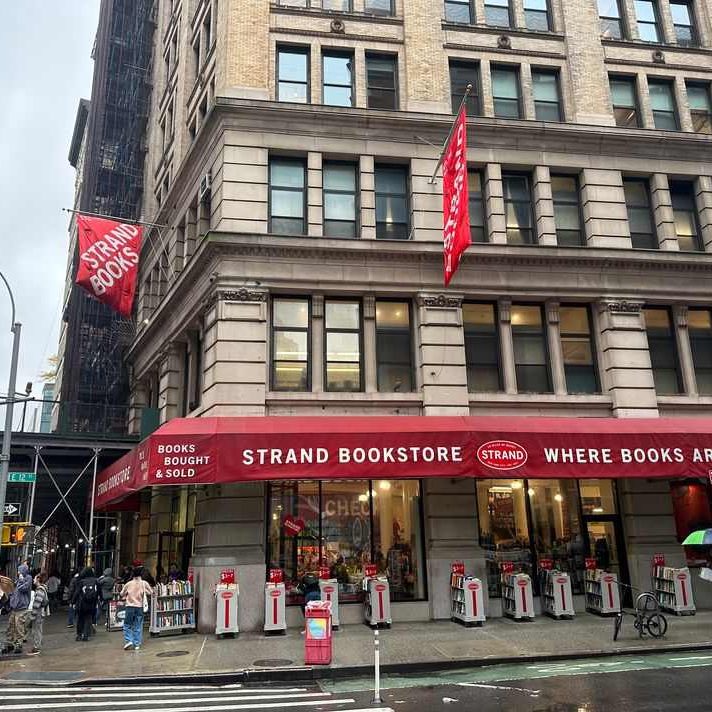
[502, 454]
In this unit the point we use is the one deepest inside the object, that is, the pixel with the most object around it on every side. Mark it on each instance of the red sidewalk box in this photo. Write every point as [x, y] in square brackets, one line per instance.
[317, 639]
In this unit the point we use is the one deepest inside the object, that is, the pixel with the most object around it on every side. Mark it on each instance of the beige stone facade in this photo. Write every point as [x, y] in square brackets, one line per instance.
[204, 339]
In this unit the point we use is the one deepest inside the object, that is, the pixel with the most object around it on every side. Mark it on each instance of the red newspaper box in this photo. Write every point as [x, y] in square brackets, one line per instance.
[317, 639]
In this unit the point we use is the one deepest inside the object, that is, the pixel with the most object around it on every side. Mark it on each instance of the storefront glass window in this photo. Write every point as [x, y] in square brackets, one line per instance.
[556, 526]
[344, 525]
[504, 532]
[597, 497]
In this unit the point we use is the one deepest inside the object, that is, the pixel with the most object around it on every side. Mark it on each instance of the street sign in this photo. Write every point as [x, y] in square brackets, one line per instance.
[24, 477]
[12, 509]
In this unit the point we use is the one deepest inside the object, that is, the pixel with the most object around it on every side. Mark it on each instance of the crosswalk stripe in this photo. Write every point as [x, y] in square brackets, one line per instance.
[83, 688]
[258, 706]
[200, 692]
[237, 698]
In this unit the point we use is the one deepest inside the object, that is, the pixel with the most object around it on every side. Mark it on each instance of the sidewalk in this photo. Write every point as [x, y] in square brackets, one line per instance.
[407, 647]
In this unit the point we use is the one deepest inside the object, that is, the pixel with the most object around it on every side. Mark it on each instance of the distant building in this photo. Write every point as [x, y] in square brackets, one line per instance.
[46, 411]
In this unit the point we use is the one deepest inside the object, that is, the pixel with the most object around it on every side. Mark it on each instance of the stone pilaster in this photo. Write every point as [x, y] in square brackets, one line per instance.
[138, 400]
[604, 210]
[235, 347]
[370, 374]
[170, 382]
[318, 373]
[442, 355]
[684, 349]
[159, 521]
[703, 198]
[494, 204]
[367, 183]
[666, 27]
[661, 203]
[517, 12]
[683, 106]
[487, 100]
[506, 344]
[525, 82]
[315, 201]
[556, 356]
[627, 370]
[544, 206]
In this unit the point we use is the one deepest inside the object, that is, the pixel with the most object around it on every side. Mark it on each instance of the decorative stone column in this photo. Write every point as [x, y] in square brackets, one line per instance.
[315, 200]
[626, 359]
[506, 344]
[369, 344]
[556, 355]
[317, 343]
[703, 192]
[494, 204]
[661, 203]
[442, 354]
[544, 206]
[368, 197]
[235, 378]
[170, 382]
[684, 349]
[604, 210]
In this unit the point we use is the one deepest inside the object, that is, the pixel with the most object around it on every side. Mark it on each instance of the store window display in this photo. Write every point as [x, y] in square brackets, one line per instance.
[344, 525]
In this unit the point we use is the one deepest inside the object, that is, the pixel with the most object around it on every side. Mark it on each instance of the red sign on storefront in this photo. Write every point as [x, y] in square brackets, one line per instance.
[324, 572]
[591, 564]
[227, 576]
[658, 559]
[370, 570]
[276, 576]
[458, 567]
[292, 526]
[507, 567]
[546, 564]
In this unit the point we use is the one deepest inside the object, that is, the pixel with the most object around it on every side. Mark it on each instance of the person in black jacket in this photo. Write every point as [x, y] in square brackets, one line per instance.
[86, 598]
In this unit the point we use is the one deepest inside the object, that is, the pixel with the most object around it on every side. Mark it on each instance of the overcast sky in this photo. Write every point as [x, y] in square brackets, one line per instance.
[45, 48]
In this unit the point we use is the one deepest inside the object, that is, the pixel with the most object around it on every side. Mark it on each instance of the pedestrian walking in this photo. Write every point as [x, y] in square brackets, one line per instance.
[106, 584]
[86, 598]
[52, 584]
[71, 590]
[38, 611]
[18, 603]
[135, 593]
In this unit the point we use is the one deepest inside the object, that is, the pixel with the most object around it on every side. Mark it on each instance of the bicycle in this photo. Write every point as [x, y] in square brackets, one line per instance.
[648, 618]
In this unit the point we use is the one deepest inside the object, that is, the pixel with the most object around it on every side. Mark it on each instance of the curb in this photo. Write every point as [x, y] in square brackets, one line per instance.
[313, 674]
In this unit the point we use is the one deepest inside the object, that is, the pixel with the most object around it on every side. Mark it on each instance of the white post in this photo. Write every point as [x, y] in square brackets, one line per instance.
[377, 669]
[90, 541]
[31, 551]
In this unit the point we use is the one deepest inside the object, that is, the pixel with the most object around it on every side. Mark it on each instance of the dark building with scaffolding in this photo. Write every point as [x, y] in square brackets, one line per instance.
[110, 133]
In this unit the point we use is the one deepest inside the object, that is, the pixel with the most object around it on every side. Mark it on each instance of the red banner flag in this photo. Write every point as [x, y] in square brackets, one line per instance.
[456, 213]
[108, 260]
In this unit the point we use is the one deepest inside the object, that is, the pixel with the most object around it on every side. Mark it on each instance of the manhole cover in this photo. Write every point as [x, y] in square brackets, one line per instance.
[273, 662]
[172, 653]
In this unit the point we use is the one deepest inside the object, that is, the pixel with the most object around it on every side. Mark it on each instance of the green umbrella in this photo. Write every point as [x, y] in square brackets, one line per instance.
[703, 537]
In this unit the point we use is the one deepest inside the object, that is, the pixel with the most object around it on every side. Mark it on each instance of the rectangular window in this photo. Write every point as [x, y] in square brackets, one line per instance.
[505, 91]
[462, 74]
[287, 196]
[340, 203]
[391, 202]
[698, 96]
[536, 15]
[662, 102]
[481, 348]
[530, 352]
[646, 11]
[341, 5]
[518, 209]
[477, 211]
[700, 329]
[640, 214]
[625, 102]
[498, 13]
[293, 74]
[458, 11]
[342, 342]
[348, 524]
[504, 528]
[394, 352]
[545, 87]
[609, 13]
[379, 7]
[578, 351]
[291, 339]
[685, 214]
[663, 350]
[683, 18]
[567, 211]
[337, 69]
[381, 84]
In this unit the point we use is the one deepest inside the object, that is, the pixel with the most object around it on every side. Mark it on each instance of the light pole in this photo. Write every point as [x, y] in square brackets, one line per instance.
[7, 434]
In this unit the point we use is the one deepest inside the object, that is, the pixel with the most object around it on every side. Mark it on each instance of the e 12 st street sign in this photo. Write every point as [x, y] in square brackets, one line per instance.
[12, 509]
[21, 477]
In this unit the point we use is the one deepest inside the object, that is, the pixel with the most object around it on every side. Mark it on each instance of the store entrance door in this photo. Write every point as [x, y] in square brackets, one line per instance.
[606, 545]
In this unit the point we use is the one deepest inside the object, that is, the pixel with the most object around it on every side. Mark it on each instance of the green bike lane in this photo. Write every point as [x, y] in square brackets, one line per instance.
[486, 676]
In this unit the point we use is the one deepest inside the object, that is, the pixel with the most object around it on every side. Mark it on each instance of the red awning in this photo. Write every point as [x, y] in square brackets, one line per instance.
[210, 450]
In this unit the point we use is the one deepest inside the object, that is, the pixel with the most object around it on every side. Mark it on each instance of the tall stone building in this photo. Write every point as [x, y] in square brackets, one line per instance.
[299, 272]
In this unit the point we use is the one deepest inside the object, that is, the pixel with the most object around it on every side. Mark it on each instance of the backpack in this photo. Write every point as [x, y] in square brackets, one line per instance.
[89, 592]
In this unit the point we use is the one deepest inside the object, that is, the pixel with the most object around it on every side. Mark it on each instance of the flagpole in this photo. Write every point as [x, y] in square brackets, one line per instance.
[113, 217]
[468, 89]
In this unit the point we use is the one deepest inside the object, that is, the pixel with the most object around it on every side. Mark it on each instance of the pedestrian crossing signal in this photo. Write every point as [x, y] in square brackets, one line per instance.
[14, 534]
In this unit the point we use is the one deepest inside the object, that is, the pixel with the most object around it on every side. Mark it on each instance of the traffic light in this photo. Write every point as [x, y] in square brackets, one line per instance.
[15, 533]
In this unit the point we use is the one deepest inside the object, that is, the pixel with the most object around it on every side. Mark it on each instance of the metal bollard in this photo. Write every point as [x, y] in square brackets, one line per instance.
[377, 669]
